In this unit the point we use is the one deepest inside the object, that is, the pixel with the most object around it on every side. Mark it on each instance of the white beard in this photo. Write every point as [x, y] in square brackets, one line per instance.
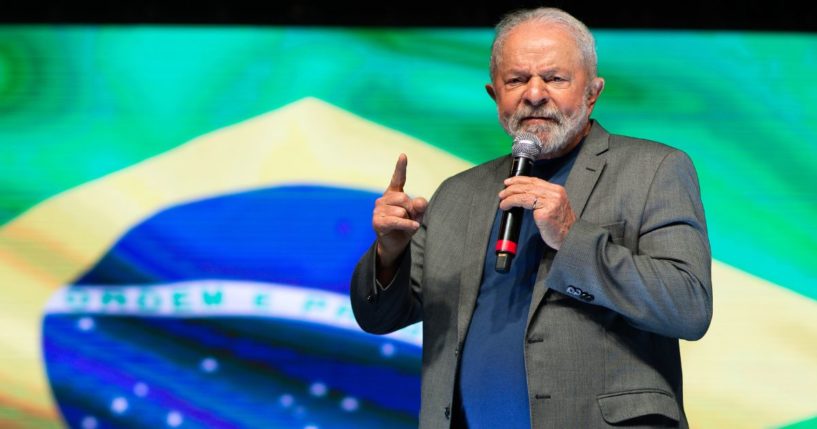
[554, 136]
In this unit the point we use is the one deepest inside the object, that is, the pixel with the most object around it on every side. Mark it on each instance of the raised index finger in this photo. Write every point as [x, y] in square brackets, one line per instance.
[398, 179]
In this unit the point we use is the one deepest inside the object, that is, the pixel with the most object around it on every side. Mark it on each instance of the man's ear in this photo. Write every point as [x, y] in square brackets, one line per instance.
[491, 92]
[595, 90]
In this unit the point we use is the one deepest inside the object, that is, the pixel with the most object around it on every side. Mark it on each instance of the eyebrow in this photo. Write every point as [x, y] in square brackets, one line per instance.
[547, 72]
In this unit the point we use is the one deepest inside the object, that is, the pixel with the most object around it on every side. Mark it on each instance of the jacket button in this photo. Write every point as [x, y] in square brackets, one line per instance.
[370, 298]
[447, 412]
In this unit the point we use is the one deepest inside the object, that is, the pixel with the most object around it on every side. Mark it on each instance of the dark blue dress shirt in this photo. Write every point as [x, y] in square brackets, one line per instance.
[492, 386]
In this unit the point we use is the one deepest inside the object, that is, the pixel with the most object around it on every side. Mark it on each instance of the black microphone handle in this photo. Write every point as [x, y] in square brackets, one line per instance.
[508, 238]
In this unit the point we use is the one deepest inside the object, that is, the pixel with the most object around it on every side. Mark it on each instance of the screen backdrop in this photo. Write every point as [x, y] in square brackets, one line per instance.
[182, 207]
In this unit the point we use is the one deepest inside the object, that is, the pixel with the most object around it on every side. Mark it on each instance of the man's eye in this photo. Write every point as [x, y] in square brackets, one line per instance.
[559, 81]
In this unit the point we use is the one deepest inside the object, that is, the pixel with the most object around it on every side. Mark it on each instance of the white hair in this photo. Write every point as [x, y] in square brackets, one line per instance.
[547, 15]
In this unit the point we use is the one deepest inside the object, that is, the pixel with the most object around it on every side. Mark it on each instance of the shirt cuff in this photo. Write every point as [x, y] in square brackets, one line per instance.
[382, 288]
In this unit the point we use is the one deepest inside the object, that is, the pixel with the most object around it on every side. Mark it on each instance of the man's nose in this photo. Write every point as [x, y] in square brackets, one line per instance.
[536, 93]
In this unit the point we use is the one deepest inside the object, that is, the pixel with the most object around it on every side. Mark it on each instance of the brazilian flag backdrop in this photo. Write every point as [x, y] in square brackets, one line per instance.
[181, 209]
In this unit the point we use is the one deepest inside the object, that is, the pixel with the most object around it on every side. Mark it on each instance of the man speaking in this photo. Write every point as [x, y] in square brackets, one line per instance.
[575, 322]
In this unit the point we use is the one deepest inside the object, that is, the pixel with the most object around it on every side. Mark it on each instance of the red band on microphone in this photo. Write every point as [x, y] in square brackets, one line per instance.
[506, 246]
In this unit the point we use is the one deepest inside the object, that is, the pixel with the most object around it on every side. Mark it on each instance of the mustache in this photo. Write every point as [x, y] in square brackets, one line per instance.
[536, 112]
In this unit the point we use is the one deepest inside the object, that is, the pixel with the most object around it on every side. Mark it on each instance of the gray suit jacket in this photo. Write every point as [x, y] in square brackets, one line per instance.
[631, 278]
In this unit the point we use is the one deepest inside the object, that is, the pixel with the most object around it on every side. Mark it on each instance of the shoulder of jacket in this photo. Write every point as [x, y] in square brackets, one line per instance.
[626, 144]
[476, 173]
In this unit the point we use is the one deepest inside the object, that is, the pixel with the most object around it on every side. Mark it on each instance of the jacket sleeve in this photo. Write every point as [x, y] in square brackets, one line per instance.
[379, 309]
[664, 284]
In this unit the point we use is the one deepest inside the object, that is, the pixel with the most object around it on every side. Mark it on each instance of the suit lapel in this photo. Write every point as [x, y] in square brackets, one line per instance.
[584, 175]
[484, 204]
[588, 167]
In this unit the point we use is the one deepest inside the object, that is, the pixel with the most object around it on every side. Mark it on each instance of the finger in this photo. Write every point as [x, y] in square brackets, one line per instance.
[420, 205]
[525, 201]
[395, 211]
[398, 178]
[387, 224]
[519, 189]
[525, 180]
[394, 198]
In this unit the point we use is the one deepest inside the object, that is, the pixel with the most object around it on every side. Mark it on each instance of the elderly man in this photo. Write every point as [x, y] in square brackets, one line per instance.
[613, 262]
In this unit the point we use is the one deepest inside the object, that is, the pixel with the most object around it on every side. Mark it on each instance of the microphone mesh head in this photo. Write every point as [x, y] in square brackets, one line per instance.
[526, 145]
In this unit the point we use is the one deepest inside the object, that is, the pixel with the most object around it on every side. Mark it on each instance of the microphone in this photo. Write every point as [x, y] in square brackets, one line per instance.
[526, 149]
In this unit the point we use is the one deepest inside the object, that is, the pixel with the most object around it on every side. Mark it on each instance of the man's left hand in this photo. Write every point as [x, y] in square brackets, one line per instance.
[551, 207]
